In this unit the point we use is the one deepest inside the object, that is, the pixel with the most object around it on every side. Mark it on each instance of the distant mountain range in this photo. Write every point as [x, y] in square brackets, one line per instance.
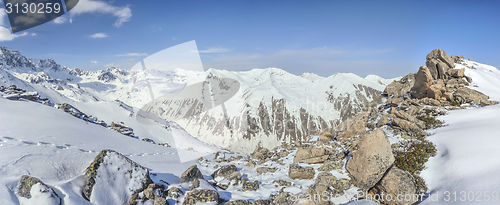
[270, 107]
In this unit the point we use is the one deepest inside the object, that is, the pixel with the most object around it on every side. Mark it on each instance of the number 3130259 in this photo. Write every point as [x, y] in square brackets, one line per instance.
[33, 8]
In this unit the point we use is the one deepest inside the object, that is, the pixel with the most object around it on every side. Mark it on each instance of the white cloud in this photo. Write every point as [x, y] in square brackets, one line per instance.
[5, 34]
[33, 34]
[99, 35]
[215, 50]
[111, 65]
[95, 6]
[134, 54]
[94, 62]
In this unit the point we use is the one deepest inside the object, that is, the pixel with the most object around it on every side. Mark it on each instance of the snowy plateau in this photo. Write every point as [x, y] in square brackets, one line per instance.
[56, 120]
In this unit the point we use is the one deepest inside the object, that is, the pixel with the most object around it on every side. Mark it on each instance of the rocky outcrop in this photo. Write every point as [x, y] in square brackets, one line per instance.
[371, 159]
[191, 174]
[439, 62]
[298, 172]
[201, 195]
[33, 187]
[113, 173]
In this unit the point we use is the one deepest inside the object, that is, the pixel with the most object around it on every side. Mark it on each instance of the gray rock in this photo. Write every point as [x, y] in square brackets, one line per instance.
[311, 155]
[196, 184]
[129, 168]
[174, 192]
[371, 159]
[384, 120]
[250, 186]
[225, 171]
[457, 73]
[28, 182]
[331, 166]
[397, 181]
[239, 202]
[408, 126]
[262, 170]
[297, 172]
[201, 195]
[160, 201]
[467, 95]
[190, 174]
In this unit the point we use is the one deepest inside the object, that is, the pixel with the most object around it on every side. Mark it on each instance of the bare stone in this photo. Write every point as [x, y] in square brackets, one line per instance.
[397, 182]
[423, 80]
[298, 172]
[371, 159]
[190, 174]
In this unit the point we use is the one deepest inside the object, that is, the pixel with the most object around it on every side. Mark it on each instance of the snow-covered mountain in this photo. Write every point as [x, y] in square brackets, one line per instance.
[271, 106]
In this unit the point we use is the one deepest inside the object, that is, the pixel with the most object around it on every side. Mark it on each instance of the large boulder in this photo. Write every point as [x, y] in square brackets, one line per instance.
[326, 182]
[423, 80]
[371, 159]
[113, 178]
[298, 172]
[436, 91]
[201, 195]
[397, 182]
[405, 116]
[34, 191]
[190, 174]
[311, 155]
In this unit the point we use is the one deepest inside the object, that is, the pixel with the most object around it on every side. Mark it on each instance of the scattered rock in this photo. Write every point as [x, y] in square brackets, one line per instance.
[261, 153]
[297, 172]
[190, 174]
[160, 201]
[225, 171]
[371, 159]
[283, 183]
[239, 202]
[262, 170]
[174, 192]
[384, 120]
[201, 195]
[408, 126]
[331, 166]
[33, 187]
[250, 186]
[311, 155]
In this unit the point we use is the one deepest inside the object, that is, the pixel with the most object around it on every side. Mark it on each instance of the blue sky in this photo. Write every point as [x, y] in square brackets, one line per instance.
[386, 38]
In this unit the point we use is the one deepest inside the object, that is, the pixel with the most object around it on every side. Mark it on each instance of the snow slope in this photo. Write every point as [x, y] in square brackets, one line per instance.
[466, 167]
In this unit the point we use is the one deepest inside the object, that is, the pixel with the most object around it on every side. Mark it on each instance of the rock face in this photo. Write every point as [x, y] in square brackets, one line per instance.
[113, 174]
[371, 159]
[423, 80]
[34, 189]
[201, 195]
[297, 172]
[439, 62]
[397, 182]
[190, 174]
